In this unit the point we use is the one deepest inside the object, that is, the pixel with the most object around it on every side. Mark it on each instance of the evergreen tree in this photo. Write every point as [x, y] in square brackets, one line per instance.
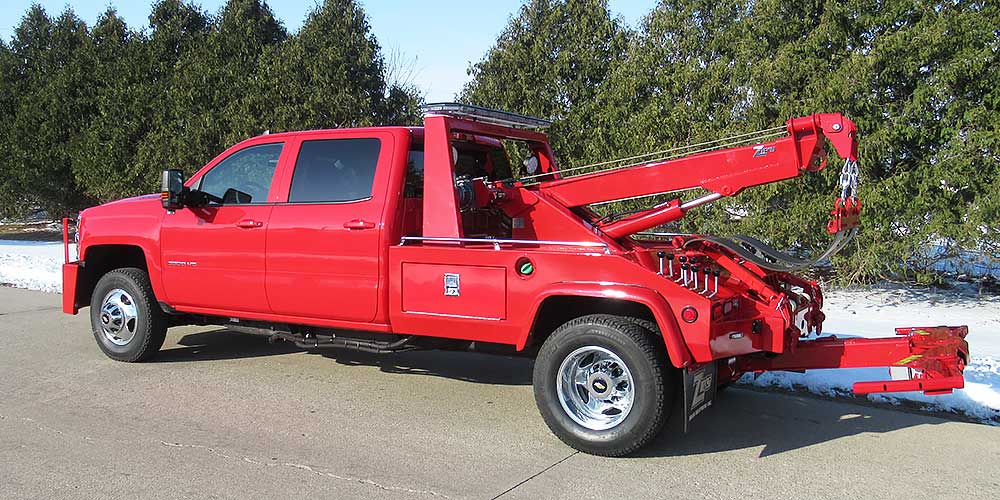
[10, 192]
[329, 75]
[53, 84]
[549, 62]
[244, 31]
[912, 75]
[177, 29]
[96, 115]
[93, 115]
[104, 154]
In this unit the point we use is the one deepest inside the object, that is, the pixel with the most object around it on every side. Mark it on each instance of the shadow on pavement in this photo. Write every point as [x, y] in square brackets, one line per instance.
[465, 366]
[221, 344]
[742, 419]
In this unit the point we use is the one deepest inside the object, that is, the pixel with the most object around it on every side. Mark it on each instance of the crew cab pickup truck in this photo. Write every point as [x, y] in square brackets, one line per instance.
[397, 238]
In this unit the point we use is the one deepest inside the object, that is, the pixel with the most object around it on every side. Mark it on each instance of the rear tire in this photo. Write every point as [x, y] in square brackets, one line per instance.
[600, 384]
[125, 317]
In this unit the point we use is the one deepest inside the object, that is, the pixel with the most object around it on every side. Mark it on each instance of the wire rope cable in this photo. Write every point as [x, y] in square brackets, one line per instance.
[666, 154]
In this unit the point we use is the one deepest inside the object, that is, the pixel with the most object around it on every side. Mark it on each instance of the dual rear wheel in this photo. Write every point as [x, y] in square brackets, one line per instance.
[603, 384]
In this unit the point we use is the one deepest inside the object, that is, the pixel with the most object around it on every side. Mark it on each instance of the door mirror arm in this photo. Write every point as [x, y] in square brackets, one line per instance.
[196, 198]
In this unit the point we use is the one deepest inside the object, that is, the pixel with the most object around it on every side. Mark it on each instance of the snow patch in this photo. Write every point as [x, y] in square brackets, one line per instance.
[36, 265]
[980, 399]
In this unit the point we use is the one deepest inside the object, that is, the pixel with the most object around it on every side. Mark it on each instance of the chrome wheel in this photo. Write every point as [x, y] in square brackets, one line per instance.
[595, 388]
[119, 317]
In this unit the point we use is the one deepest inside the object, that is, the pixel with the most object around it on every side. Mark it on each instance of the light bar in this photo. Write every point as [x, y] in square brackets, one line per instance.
[484, 115]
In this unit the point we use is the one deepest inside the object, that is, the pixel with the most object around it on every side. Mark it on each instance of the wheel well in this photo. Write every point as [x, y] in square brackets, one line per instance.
[100, 259]
[558, 309]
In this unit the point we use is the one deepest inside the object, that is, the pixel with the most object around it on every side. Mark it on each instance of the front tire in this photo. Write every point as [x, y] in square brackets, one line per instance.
[125, 317]
[600, 384]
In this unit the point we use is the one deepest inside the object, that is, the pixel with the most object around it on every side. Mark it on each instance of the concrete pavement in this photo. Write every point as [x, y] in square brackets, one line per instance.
[225, 415]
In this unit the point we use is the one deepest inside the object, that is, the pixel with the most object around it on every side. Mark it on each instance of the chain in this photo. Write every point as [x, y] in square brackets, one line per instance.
[849, 180]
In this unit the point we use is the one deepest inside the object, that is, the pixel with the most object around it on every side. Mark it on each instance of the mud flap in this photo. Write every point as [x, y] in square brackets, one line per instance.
[699, 390]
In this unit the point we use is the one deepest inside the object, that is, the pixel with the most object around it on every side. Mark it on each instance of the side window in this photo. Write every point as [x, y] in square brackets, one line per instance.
[334, 170]
[244, 176]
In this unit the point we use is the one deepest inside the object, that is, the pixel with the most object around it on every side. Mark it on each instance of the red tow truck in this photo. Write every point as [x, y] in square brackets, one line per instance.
[397, 238]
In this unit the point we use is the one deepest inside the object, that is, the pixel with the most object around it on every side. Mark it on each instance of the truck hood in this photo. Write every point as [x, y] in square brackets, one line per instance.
[134, 199]
[143, 203]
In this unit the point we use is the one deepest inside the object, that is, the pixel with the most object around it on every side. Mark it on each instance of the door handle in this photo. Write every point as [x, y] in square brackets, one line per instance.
[359, 224]
[249, 223]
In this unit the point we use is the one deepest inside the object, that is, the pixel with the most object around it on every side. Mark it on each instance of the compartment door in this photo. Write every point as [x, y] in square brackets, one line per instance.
[475, 292]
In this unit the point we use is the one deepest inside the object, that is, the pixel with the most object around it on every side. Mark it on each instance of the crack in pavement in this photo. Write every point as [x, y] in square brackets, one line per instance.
[47, 429]
[307, 468]
[539, 473]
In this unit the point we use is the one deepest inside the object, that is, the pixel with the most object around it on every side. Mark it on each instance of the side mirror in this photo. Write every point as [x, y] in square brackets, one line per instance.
[173, 189]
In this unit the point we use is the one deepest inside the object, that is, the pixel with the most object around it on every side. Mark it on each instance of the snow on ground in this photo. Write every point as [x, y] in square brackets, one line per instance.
[869, 312]
[32, 264]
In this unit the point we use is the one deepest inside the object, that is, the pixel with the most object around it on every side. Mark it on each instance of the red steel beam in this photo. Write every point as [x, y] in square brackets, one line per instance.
[936, 356]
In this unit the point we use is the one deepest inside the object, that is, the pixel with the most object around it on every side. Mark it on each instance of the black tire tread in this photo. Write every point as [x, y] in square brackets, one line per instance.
[654, 352]
[645, 323]
[156, 325]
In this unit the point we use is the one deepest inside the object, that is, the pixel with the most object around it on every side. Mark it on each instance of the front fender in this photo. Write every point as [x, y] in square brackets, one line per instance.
[151, 252]
[130, 222]
[659, 307]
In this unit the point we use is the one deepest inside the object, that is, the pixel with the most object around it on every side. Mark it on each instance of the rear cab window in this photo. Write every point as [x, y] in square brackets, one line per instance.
[335, 170]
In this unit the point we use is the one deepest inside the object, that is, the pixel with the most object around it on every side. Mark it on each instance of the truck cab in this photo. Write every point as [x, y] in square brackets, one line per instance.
[465, 234]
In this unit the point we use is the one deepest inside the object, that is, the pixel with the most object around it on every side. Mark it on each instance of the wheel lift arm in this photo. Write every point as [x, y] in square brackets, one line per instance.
[935, 355]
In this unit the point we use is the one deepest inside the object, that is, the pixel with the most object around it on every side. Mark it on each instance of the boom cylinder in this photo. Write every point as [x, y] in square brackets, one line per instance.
[668, 212]
[660, 214]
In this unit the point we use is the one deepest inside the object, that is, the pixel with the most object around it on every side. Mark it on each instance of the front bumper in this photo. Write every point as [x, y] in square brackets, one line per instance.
[70, 270]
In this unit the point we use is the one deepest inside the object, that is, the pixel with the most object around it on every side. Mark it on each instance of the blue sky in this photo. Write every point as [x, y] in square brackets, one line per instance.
[440, 37]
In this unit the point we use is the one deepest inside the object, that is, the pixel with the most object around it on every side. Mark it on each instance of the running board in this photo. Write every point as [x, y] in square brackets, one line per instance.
[329, 341]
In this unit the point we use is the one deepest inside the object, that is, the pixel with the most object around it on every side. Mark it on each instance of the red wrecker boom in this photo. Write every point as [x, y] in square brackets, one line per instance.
[724, 172]
[935, 356]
